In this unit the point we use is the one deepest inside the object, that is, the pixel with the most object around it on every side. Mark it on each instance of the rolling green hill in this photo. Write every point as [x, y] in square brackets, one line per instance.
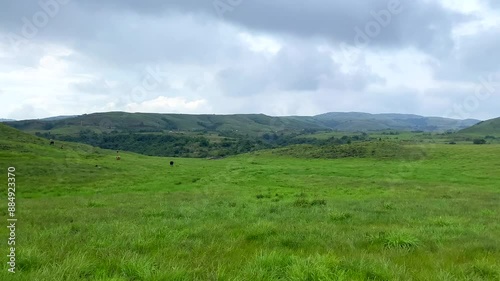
[150, 122]
[485, 128]
[49, 169]
[268, 215]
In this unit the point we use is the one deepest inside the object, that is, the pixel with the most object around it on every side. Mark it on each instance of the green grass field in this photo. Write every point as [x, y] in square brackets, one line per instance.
[82, 215]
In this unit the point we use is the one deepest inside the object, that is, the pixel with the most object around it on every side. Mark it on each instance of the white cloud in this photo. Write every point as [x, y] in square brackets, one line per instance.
[164, 104]
[27, 111]
[260, 43]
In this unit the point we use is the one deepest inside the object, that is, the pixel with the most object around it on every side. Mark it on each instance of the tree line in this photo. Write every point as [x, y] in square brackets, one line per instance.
[197, 146]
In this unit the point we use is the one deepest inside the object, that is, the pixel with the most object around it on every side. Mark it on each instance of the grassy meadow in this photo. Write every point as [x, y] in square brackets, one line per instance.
[82, 215]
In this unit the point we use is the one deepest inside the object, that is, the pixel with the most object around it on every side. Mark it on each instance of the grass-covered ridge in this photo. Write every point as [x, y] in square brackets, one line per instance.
[256, 216]
[373, 149]
[485, 128]
[245, 124]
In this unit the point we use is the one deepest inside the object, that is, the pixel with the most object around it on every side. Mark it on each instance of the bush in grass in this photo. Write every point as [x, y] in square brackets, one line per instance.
[318, 202]
[401, 240]
[301, 203]
[479, 141]
[306, 203]
[342, 216]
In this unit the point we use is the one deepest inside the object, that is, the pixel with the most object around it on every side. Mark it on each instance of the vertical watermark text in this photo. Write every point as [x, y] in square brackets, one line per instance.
[11, 220]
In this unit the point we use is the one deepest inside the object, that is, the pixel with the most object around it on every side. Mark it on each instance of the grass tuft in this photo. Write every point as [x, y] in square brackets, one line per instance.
[401, 240]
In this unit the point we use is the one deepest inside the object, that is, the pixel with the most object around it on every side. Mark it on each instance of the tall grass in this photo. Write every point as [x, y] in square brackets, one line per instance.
[253, 217]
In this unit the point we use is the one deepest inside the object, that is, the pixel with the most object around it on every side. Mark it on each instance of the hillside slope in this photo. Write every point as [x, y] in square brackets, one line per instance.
[65, 167]
[486, 128]
[357, 121]
[152, 122]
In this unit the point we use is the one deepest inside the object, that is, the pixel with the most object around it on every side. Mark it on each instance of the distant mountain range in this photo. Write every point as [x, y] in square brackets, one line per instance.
[242, 123]
[6, 120]
[358, 121]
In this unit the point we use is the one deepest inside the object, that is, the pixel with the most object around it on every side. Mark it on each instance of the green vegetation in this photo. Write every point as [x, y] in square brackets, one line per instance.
[485, 128]
[195, 145]
[122, 122]
[479, 141]
[202, 136]
[376, 149]
[324, 212]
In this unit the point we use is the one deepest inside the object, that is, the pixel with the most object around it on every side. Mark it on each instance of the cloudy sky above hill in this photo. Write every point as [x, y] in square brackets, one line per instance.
[278, 57]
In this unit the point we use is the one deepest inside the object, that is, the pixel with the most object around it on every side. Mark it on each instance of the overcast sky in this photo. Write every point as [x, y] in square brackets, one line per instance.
[278, 57]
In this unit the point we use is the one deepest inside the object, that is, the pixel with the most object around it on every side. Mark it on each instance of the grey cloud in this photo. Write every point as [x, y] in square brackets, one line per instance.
[420, 22]
[401, 100]
[302, 68]
[177, 39]
[119, 36]
[294, 68]
[241, 82]
[423, 24]
[477, 56]
[95, 86]
[480, 52]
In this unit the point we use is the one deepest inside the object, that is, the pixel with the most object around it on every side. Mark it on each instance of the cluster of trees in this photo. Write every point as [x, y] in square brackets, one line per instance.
[278, 140]
[195, 145]
[390, 133]
[162, 144]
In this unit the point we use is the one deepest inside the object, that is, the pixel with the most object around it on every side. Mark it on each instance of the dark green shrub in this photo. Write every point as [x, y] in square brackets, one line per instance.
[318, 202]
[479, 141]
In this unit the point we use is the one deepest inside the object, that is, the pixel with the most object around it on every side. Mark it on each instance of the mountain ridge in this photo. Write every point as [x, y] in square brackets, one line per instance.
[243, 123]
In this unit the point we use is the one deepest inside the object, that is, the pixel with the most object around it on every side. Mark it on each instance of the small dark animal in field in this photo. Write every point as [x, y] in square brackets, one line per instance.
[171, 163]
[118, 157]
[62, 146]
[52, 142]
